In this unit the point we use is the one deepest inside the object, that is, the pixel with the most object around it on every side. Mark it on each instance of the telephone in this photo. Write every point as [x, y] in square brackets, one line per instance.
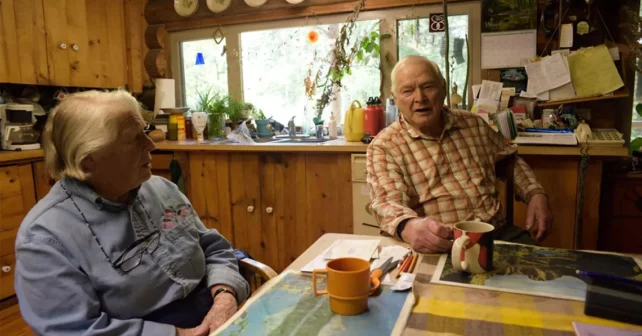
[598, 136]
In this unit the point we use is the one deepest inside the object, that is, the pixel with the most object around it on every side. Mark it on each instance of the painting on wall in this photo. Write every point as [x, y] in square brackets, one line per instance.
[507, 15]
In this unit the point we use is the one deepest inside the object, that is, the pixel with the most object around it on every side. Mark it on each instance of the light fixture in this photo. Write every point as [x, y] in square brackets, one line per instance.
[200, 60]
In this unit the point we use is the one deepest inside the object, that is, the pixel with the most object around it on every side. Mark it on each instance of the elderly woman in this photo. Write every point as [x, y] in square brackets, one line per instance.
[113, 250]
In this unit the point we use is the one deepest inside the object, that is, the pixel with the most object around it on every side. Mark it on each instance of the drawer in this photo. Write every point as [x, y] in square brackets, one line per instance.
[359, 172]
[7, 242]
[7, 267]
[627, 198]
[9, 182]
[161, 161]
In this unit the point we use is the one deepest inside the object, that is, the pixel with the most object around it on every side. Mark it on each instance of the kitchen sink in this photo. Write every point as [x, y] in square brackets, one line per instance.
[304, 140]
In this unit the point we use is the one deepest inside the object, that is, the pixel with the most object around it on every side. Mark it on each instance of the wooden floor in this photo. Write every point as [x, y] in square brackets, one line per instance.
[11, 322]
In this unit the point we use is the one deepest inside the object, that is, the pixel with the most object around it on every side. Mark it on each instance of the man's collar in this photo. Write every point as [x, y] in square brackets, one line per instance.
[83, 190]
[451, 123]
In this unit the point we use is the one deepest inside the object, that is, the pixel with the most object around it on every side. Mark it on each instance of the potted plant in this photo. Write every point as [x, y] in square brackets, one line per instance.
[215, 106]
[262, 123]
[636, 144]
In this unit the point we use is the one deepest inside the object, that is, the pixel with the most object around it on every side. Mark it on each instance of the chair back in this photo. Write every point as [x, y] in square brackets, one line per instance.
[505, 172]
[255, 273]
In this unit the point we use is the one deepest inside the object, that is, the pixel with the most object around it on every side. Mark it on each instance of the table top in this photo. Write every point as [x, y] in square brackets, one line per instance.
[450, 310]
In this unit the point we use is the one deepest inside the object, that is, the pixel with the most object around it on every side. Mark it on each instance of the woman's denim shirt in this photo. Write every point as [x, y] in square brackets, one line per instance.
[66, 286]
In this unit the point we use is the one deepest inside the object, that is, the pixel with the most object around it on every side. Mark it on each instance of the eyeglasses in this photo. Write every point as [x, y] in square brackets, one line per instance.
[133, 255]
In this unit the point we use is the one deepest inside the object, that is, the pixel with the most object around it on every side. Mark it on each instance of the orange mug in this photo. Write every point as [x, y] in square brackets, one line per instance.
[348, 285]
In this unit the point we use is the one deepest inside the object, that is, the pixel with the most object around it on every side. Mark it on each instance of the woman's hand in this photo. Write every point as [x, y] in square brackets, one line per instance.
[223, 308]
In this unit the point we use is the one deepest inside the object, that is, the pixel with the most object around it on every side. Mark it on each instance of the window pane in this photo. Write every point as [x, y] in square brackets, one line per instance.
[636, 130]
[276, 62]
[201, 77]
[414, 38]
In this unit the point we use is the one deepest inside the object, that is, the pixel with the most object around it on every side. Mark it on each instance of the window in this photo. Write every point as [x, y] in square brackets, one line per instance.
[210, 75]
[415, 39]
[636, 125]
[276, 62]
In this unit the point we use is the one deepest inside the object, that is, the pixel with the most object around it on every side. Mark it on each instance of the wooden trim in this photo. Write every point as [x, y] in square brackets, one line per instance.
[258, 15]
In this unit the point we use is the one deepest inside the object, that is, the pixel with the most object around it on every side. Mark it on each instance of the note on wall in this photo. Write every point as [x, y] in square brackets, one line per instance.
[593, 72]
[508, 49]
[549, 73]
[566, 36]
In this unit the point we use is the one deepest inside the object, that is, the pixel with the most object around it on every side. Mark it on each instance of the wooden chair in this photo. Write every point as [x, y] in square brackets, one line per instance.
[255, 273]
[505, 172]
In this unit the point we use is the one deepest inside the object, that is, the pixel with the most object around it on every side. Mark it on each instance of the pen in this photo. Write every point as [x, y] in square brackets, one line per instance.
[608, 277]
[547, 130]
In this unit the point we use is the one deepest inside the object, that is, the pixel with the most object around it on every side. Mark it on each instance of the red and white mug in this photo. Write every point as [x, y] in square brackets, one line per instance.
[472, 250]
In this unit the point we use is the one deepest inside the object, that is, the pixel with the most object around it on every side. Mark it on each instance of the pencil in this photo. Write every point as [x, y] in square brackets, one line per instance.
[405, 264]
[414, 262]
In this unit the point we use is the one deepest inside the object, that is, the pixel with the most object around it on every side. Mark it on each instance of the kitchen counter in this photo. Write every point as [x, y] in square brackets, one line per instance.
[340, 145]
[333, 146]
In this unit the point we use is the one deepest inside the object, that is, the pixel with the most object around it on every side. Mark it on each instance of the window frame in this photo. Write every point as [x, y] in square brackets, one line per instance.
[387, 25]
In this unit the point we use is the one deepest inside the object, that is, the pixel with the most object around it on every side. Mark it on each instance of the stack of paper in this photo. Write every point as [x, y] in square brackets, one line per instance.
[548, 74]
[362, 249]
[489, 96]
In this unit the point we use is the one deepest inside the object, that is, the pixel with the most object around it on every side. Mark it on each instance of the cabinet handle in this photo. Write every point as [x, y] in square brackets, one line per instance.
[63, 46]
[6, 269]
[75, 47]
[269, 210]
[250, 208]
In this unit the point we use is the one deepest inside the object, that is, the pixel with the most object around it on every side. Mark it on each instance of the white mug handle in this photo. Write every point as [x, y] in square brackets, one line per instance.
[459, 245]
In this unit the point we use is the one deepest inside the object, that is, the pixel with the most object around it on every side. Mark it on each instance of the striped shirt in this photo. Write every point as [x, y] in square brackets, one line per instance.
[449, 179]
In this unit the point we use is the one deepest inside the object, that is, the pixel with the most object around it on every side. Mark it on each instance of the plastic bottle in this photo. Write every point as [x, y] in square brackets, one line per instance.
[332, 127]
[391, 112]
[382, 115]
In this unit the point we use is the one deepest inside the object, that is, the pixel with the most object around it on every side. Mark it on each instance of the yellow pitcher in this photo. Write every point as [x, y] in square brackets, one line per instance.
[353, 125]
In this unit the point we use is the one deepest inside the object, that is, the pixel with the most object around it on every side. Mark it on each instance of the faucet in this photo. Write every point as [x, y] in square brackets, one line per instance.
[292, 128]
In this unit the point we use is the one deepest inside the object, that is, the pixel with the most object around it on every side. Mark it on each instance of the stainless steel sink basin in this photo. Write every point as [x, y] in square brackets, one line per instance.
[304, 140]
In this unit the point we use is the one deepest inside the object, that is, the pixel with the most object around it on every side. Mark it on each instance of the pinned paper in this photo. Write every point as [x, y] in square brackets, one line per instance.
[589, 65]
[615, 53]
[583, 28]
[508, 49]
[491, 90]
[549, 73]
[566, 36]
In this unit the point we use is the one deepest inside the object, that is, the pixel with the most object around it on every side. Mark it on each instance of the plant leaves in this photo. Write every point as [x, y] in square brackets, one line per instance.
[369, 47]
[367, 59]
[360, 55]
[348, 71]
[638, 109]
[376, 48]
[635, 144]
[374, 35]
[385, 36]
[375, 54]
[365, 42]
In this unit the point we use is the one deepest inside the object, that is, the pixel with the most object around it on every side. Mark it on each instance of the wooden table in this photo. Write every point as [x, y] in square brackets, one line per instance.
[450, 310]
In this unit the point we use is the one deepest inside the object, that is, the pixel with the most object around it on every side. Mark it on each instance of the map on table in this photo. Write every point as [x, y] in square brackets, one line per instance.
[541, 271]
[289, 307]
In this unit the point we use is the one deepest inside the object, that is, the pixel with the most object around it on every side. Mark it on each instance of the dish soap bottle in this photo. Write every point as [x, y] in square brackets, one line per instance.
[332, 127]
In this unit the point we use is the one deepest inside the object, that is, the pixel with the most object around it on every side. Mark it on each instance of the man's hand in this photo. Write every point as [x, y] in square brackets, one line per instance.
[426, 235]
[185, 332]
[223, 308]
[539, 216]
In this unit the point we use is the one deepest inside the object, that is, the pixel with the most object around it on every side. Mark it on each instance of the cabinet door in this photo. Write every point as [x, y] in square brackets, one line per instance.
[17, 197]
[23, 53]
[247, 208]
[86, 43]
[42, 179]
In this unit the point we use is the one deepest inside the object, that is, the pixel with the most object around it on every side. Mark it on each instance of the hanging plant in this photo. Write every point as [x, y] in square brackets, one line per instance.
[342, 55]
[633, 37]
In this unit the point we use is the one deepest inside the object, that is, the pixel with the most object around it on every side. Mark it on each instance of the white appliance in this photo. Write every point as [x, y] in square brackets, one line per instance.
[364, 223]
[16, 127]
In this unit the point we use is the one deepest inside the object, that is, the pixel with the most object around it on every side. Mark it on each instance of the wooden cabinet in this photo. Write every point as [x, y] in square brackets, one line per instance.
[63, 43]
[621, 220]
[23, 51]
[272, 205]
[17, 197]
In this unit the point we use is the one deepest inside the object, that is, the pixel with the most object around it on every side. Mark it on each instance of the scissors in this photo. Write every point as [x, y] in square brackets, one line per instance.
[383, 269]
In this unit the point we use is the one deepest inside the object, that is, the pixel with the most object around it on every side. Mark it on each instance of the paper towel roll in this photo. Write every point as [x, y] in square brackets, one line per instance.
[165, 96]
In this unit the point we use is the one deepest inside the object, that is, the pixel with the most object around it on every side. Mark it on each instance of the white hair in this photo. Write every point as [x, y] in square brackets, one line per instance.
[82, 124]
[415, 59]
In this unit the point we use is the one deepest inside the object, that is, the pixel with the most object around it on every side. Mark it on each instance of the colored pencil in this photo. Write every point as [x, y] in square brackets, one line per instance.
[414, 262]
[608, 277]
[405, 264]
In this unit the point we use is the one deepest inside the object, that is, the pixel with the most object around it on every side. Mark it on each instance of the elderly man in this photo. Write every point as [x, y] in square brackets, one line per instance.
[434, 167]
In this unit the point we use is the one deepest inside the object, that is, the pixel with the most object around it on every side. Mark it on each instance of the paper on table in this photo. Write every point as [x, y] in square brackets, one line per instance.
[362, 249]
[508, 49]
[396, 252]
[594, 72]
[319, 262]
[549, 73]
[585, 329]
[491, 90]
[566, 36]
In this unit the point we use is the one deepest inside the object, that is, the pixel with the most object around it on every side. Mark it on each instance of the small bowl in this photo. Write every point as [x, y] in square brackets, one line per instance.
[170, 110]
